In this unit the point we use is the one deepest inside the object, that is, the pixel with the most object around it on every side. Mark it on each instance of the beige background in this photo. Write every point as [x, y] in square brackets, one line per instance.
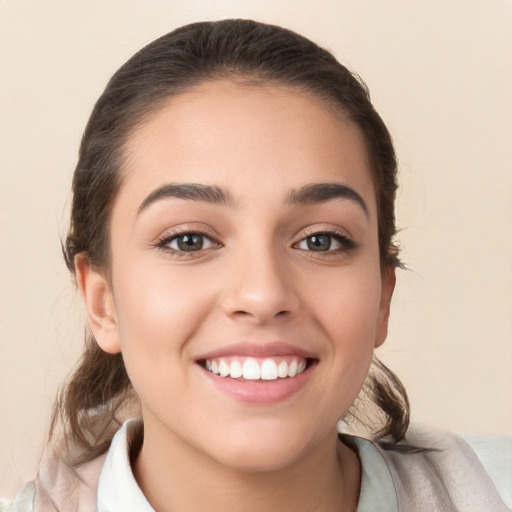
[440, 74]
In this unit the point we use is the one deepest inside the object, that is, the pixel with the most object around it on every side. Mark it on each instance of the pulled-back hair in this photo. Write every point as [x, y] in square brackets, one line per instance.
[98, 393]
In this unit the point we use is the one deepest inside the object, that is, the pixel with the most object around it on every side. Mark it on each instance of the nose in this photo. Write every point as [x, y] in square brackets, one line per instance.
[260, 288]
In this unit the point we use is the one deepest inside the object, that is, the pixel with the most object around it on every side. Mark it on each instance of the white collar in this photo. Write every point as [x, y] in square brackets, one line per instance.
[118, 490]
[377, 487]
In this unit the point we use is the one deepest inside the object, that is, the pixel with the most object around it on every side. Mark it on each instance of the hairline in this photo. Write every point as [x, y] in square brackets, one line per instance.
[248, 79]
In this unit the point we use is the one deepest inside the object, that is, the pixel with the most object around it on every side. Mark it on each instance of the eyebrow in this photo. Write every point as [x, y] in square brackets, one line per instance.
[308, 194]
[192, 191]
[321, 192]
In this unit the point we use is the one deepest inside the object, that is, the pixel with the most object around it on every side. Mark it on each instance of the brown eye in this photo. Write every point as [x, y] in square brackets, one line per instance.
[326, 242]
[191, 242]
[320, 242]
[188, 242]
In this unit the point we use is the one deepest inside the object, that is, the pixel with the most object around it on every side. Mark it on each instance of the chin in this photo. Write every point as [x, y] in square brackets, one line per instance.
[263, 449]
[260, 459]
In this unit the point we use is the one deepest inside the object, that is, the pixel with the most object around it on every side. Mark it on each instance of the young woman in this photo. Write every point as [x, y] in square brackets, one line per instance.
[232, 239]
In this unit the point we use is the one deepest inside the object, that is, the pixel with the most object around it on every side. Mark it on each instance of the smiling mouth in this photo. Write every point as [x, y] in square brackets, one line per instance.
[257, 369]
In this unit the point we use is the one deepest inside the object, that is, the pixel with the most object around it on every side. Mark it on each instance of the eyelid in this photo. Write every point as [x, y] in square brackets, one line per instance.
[205, 238]
[328, 229]
[341, 235]
[170, 234]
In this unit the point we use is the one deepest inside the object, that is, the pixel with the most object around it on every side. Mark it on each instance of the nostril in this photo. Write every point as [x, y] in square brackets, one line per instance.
[261, 307]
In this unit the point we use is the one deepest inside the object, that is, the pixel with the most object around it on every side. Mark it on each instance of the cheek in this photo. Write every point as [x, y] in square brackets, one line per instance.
[347, 304]
[348, 315]
[157, 312]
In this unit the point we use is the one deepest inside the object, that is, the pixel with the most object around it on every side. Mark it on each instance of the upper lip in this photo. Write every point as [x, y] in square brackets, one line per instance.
[251, 349]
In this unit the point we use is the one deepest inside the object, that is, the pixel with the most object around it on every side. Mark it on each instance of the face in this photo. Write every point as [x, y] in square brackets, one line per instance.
[245, 288]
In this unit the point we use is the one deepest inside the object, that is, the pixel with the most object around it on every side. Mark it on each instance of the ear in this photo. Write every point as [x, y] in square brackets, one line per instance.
[387, 288]
[99, 304]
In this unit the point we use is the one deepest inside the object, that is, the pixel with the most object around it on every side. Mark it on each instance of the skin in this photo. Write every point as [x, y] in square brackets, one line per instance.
[257, 280]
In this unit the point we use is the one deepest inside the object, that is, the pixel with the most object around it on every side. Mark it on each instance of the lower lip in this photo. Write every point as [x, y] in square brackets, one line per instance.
[260, 391]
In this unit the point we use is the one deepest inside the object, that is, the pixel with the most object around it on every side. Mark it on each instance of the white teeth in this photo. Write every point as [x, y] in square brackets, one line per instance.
[292, 369]
[223, 369]
[269, 370]
[252, 369]
[235, 370]
[282, 369]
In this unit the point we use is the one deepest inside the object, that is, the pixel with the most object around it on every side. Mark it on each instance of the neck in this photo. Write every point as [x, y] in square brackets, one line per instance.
[173, 477]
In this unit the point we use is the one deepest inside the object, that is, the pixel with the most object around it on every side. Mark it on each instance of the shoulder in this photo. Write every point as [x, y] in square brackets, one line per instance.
[23, 502]
[495, 454]
[59, 487]
[472, 473]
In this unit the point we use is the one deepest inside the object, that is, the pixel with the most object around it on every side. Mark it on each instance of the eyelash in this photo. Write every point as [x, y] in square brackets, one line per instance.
[346, 243]
[164, 241]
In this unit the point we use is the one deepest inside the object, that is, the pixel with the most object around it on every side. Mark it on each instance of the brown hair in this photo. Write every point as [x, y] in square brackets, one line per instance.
[93, 402]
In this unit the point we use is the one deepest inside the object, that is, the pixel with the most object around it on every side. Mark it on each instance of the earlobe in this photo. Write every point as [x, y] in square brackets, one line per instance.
[99, 304]
[388, 286]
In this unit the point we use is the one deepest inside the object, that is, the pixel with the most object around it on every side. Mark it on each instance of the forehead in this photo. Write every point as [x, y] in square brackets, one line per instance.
[246, 137]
